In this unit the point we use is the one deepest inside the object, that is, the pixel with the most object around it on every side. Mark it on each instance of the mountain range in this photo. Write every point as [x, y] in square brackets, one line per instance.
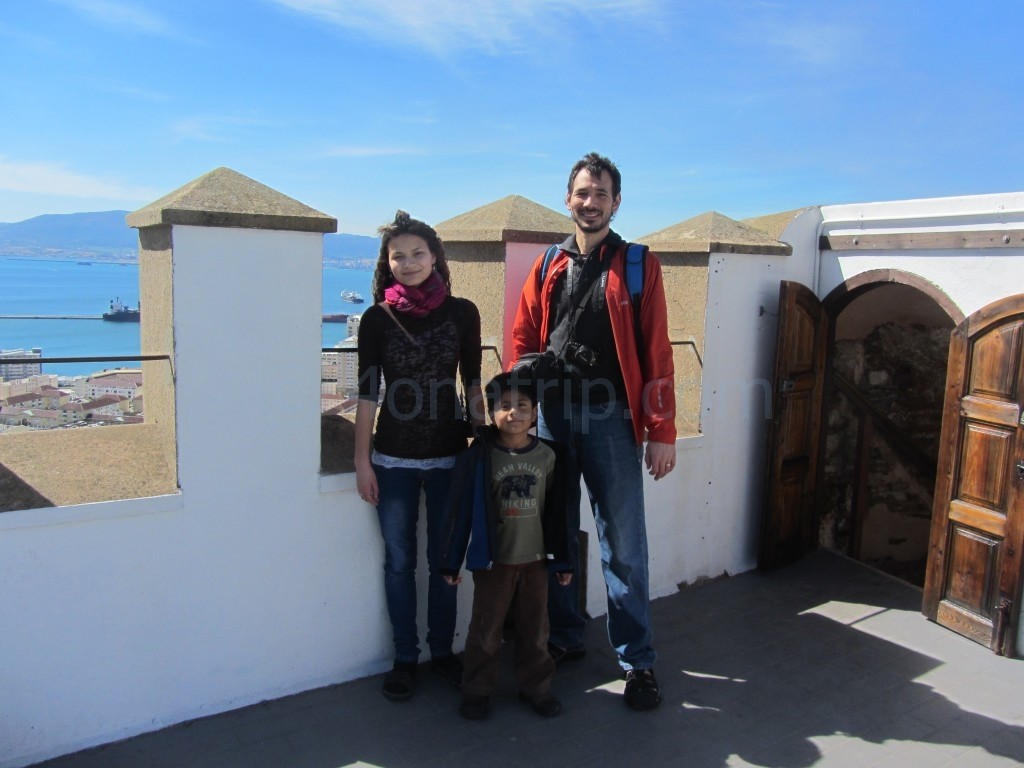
[104, 236]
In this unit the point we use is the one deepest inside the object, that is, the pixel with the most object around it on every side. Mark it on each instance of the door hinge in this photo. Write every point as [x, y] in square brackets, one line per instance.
[1000, 628]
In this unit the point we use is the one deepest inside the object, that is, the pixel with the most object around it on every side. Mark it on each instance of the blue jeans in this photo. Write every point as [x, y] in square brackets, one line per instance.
[398, 512]
[602, 447]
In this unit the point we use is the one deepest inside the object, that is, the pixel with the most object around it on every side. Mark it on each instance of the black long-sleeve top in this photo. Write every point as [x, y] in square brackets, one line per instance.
[420, 415]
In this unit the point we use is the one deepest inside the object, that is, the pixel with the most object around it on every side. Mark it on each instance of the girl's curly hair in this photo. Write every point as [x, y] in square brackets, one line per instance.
[404, 224]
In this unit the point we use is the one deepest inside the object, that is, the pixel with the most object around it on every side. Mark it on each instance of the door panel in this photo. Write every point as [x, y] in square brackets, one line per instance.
[788, 523]
[974, 570]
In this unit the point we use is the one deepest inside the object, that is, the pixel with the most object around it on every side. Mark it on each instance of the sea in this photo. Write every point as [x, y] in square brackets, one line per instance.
[47, 287]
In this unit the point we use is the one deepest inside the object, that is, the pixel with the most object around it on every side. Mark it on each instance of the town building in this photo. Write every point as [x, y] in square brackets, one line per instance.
[10, 371]
[27, 384]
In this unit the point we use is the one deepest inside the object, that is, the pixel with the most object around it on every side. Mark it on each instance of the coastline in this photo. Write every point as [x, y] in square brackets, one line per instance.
[38, 291]
[78, 257]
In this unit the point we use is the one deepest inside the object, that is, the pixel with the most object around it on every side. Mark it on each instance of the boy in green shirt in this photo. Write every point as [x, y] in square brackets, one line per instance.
[507, 519]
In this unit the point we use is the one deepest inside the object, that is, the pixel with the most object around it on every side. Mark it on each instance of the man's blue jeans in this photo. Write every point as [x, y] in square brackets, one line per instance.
[398, 512]
[602, 447]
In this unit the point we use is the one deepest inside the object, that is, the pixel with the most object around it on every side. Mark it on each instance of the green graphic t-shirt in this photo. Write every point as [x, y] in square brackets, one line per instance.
[519, 484]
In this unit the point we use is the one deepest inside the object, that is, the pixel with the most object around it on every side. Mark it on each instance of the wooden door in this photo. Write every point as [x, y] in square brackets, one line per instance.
[973, 580]
[787, 529]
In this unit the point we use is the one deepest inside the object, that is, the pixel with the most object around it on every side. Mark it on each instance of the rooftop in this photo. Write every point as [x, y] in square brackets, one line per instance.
[826, 662]
[511, 218]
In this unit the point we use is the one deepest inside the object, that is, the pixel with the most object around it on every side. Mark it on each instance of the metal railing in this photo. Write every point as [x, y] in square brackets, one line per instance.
[690, 342]
[483, 348]
[112, 359]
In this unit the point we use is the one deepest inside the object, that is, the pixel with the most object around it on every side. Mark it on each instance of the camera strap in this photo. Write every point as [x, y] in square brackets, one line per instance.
[578, 291]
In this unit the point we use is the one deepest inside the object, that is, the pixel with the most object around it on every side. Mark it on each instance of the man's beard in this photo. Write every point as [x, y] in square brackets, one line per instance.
[594, 226]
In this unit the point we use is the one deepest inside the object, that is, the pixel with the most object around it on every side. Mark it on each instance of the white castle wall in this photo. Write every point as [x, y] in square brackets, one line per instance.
[262, 578]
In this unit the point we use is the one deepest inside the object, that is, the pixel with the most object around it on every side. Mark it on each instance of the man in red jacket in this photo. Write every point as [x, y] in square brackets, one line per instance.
[602, 398]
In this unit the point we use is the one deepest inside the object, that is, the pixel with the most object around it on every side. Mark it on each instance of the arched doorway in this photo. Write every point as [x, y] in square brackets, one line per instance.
[882, 419]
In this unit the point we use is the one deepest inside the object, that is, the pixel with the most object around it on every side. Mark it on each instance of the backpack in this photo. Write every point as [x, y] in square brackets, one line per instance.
[634, 281]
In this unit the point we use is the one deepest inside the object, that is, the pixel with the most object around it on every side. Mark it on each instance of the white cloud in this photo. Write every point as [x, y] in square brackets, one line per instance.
[216, 127]
[444, 26]
[193, 129]
[116, 13]
[366, 151]
[56, 179]
[812, 42]
[132, 91]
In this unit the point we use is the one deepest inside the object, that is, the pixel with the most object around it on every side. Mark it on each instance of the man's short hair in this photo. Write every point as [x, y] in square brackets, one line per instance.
[596, 164]
[511, 381]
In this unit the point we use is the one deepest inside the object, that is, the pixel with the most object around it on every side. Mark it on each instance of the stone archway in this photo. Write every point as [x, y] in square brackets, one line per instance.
[882, 418]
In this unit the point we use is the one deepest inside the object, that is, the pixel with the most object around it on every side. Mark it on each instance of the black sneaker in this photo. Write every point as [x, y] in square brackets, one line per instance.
[448, 667]
[641, 689]
[474, 707]
[545, 706]
[400, 682]
[560, 654]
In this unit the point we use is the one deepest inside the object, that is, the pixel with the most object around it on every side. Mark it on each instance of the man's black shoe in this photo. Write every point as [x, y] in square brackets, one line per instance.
[641, 689]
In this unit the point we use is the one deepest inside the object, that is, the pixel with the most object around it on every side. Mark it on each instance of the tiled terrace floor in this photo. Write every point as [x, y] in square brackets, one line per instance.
[825, 662]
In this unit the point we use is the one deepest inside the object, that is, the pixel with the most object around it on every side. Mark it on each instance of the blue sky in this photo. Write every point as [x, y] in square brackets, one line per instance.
[359, 107]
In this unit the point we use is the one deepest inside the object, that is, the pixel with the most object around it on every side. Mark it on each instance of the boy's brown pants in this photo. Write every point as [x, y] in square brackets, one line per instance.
[521, 593]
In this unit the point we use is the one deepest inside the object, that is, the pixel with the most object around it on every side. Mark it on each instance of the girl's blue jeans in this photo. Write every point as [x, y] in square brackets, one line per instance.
[398, 511]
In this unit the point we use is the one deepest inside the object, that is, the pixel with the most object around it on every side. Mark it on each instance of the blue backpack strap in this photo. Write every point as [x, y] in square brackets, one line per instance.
[549, 256]
[635, 254]
[635, 270]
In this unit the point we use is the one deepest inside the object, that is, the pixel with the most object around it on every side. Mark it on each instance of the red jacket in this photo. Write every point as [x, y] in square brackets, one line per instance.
[650, 385]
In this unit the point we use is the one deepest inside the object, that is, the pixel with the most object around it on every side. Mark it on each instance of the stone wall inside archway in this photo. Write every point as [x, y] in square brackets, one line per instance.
[883, 421]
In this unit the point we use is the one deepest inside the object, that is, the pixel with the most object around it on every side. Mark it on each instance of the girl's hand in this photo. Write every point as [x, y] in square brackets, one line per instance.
[451, 581]
[565, 579]
[366, 484]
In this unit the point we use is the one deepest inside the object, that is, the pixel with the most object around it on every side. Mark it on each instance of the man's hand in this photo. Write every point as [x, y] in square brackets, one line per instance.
[660, 458]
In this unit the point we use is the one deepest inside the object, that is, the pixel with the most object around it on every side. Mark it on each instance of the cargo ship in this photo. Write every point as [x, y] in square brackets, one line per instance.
[352, 297]
[119, 313]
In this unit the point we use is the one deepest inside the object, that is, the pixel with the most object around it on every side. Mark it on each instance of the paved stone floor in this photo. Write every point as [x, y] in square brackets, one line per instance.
[825, 662]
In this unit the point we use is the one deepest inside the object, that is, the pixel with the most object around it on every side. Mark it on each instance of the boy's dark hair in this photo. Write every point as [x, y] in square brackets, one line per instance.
[511, 381]
[404, 224]
[596, 164]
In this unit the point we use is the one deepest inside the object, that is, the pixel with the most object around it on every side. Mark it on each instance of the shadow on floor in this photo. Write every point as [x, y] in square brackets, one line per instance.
[826, 662]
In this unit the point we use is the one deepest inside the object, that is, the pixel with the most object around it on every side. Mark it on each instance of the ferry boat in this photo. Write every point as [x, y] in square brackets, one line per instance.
[352, 297]
[120, 313]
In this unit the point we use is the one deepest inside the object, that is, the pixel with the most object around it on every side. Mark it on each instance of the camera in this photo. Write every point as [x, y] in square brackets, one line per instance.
[579, 354]
[547, 366]
[538, 366]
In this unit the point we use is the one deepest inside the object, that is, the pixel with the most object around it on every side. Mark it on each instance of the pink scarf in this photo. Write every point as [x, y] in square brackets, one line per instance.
[417, 300]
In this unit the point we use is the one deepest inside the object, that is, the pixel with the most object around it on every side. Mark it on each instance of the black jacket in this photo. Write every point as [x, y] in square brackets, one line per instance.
[471, 519]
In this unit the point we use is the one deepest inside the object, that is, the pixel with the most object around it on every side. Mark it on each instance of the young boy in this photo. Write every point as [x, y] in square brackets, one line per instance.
[508, 493]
